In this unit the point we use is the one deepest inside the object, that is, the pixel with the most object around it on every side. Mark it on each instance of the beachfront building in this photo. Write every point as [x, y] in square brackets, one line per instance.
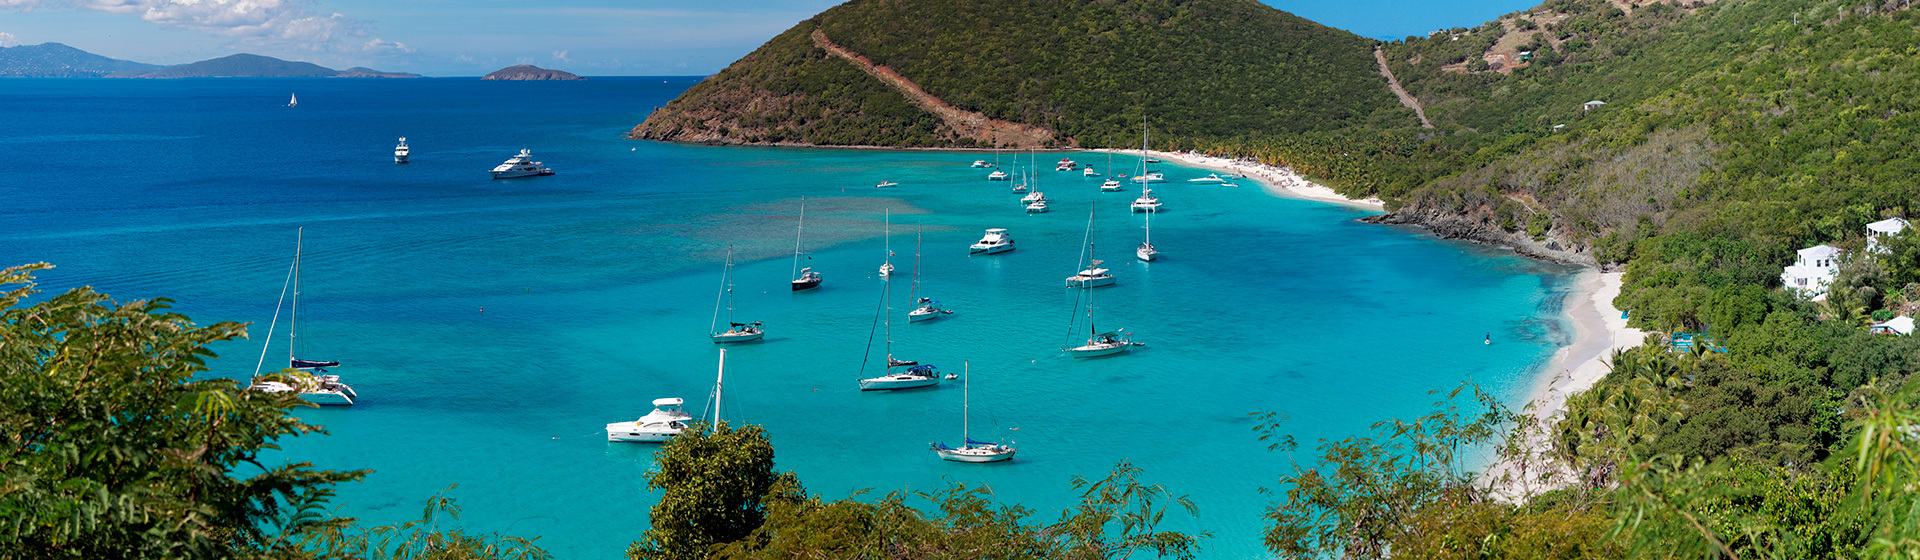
[1878, 232]
[1813, 272]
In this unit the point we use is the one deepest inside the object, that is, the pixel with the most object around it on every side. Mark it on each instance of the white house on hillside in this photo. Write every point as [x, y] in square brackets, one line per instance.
[1881, 230]
[1813, 272]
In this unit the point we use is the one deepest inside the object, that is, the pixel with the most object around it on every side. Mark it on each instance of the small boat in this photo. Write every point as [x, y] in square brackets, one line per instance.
[1211, 178]
[1145, 251]
[915, 375]
[1112, 185]
[981, 163]
[925, 308]
[1151, 160]
[326, 390]
[1089, 172]
[995, 241]
[736, 332]
[803, 278]
[998, 175]
[400, 152]
[1038, 207]
[885, 184]
[293, 100]
[1066, 165]
[521, 165]
[1150, 177]
[1020, 188]
[1147, 202]
[1229, 185]
[666, 420]
[970, 450]
[1033, 196]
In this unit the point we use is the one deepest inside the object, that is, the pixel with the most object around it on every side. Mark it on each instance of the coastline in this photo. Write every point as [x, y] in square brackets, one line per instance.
[1598, 330]
[1276, 180]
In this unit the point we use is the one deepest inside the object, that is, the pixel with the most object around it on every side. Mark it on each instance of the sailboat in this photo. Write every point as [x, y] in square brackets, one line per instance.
[926, 309]
[1092, 276]
[997, 174]
[971, 451]
[886, 237]
[803, 278]
[293, 100]
[736, 332]
[1146, 251]
[317, 389]
[1147, 202]
[916, 374]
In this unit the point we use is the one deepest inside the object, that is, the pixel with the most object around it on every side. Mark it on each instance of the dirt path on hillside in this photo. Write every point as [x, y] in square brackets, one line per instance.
[1394, 84]
[968, 123]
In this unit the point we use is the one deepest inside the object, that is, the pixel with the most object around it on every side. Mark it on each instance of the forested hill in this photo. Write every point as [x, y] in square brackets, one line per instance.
[1084, 72]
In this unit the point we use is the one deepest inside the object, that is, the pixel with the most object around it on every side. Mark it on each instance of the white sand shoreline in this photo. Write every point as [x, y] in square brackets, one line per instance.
[1280, 181]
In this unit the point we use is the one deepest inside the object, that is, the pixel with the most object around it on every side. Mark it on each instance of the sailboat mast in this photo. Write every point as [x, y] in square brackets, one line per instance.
[724, 272]
[293, 318]
[718, 380]
[797, 228]
[966, 405]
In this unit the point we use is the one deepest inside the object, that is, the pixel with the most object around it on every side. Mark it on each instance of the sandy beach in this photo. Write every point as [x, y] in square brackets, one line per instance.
[1598, 331]
[1281, 181]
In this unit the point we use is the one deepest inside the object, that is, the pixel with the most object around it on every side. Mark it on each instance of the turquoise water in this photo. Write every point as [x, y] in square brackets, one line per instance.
[492, 327]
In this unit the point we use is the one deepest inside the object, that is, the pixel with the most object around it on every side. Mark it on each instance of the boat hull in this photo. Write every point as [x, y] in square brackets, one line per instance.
[1089, 282]
[725, 338]
[1146, 208]
[975, 455]
[978, 250]
[327, 398]
[1145, 255]
[805, 284]
[1094, 351]
[627, 435]
[918, 316]
[519, 174]
[895, 384]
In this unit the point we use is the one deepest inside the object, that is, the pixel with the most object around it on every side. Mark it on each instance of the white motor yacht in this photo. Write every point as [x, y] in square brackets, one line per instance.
[1103, 344]
[1089, 172]
[995, 241]
[1152, 177]
[1212, 178]
[1147, 202]
[885, 184]
[520, 166]
[400, 152]
[981, 163]
[1112, 185]
[1038, 207]
[1092, 277]
[916, 375]
[666, 421]
[998, 175]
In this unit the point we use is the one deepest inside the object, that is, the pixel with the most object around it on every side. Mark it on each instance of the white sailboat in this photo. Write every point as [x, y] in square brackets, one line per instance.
[1092, 276]
[803, 278]
[736, 332]
[293, 100]
[1145, 251]
[915, 375]
[970, 450]
[326, 389]
[666, 420]
[925, 308]
[886, 243]
[1147, 202]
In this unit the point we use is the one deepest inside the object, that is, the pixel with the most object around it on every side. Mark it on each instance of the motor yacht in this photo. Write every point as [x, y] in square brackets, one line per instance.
[666, 420]
[995, 241]
[400, 152]
[885, 184]
[1211, 178]
[981, 163]
[1151, 177]
[520, 166]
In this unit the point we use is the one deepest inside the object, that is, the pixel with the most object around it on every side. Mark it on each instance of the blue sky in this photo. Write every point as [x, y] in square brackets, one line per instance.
[473, 37]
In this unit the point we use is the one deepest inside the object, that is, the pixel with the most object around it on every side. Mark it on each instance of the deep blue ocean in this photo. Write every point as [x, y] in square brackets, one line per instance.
[492, 327]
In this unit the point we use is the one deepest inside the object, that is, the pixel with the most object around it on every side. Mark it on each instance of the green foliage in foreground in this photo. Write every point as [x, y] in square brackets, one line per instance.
[722, 499]
[113, 449]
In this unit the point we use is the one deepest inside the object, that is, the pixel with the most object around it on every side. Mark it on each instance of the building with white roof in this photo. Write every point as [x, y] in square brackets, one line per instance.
[1813, 271]
[1878, 232]
[1902, 325]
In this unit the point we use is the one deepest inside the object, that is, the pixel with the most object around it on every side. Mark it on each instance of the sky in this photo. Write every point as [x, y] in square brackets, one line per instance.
[474, 37]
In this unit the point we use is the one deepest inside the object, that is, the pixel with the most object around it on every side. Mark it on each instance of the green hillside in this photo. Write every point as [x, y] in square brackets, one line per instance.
[1087, 71]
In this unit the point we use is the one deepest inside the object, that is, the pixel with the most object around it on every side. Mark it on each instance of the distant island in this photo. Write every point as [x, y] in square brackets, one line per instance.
[55, 60]
[528, 72]
[255, 66]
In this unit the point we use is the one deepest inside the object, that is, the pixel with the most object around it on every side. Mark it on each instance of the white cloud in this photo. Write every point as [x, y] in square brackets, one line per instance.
[284, 23]
[378, 45]
[8, 40]
[561, 55]
[23, 5]
[523, 60]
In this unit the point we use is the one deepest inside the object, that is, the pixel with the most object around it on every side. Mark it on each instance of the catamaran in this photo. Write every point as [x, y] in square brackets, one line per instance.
[925, 308]
[970, 450]
[666, 420]
[317, 389]
[736, 332]
[803, 278]
[915, 375]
